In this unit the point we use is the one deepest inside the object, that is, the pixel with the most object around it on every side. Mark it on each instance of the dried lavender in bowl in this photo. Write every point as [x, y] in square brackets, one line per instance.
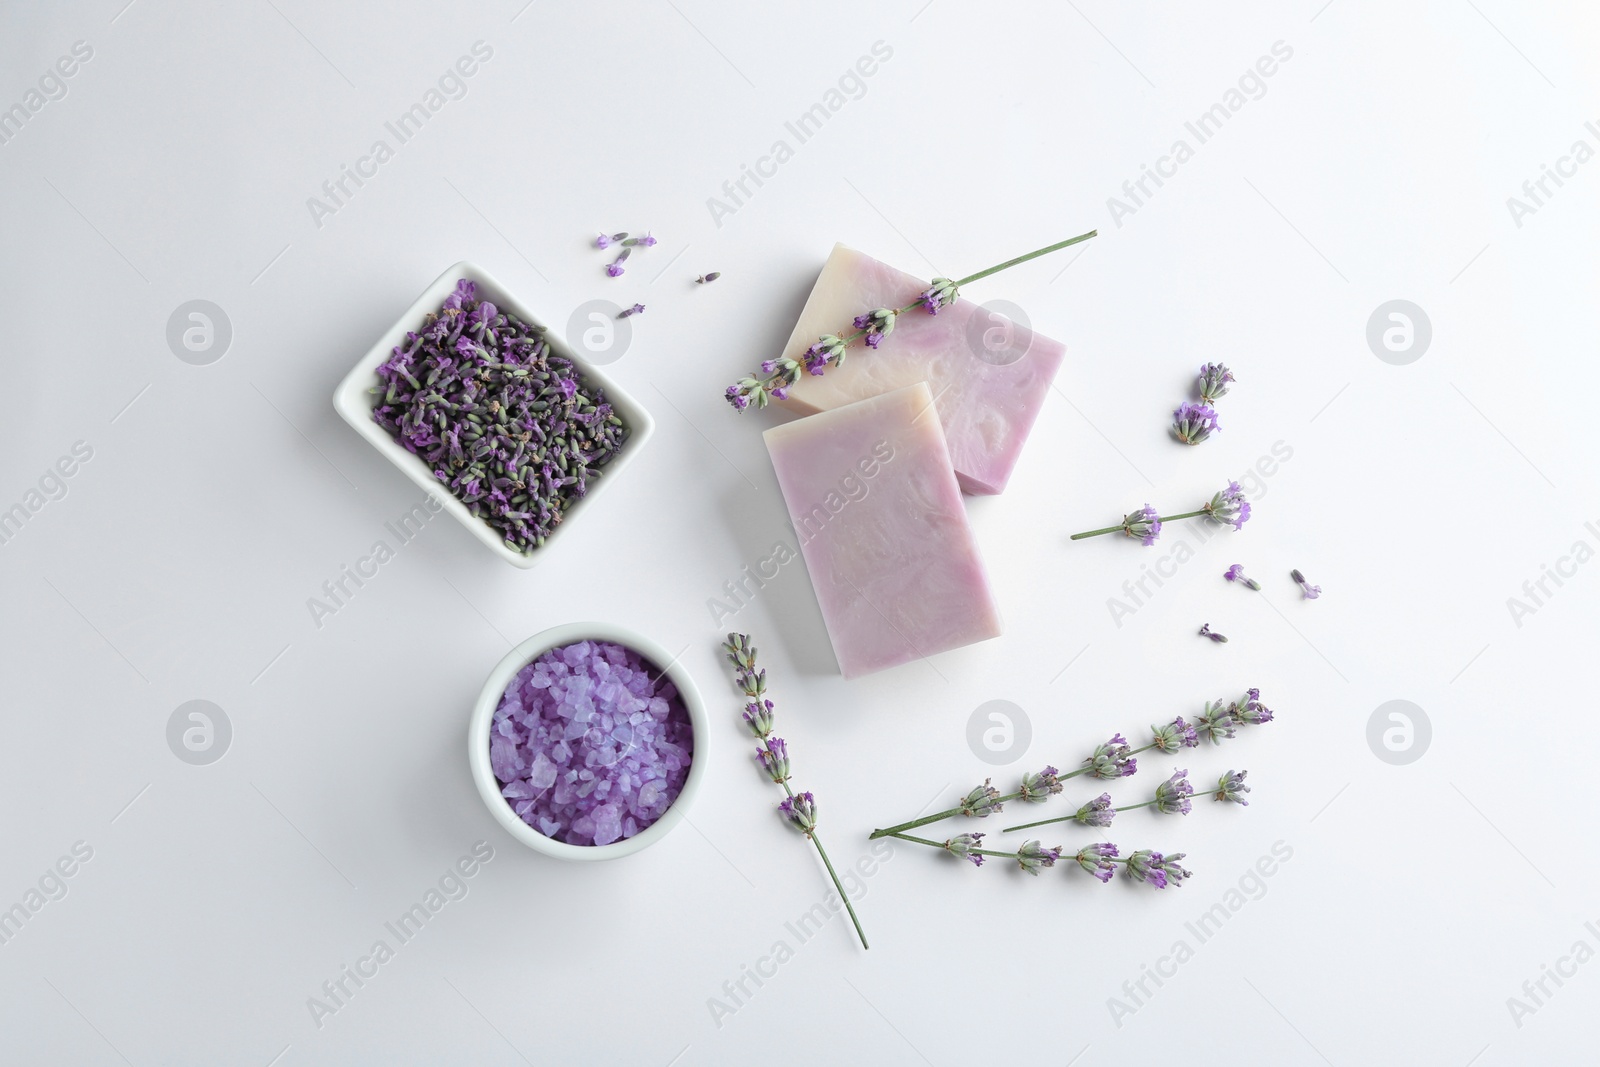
[509, 426]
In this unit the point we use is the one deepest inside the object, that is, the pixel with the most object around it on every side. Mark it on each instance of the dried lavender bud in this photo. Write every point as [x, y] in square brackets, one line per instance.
[942, 293]
[466, 393]
[758, 716]
[646, 241]
[1155, 869]
[1228, 507]
[983, 800]
[1097, 860]
[1231, 787]
[604, 241]
[1193, 423]
[706, 279]
[1207, 631]
[1113, 759]
[801, 809]
[1041, 786]
[774, 756]
[637, 309]
[1214, 379]
[614, 268]
[1034, 857]
[1311, 591]
[965, 845]
[1175, 735]
[1172, 795]
[1144, 524]
[1098, 812]
[1235, 573]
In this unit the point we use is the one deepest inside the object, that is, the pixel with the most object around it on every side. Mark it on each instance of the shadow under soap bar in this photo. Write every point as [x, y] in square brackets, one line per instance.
[883, 530]
[989, 374]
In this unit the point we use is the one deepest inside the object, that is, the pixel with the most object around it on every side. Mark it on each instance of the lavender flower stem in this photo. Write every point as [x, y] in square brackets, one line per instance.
[1118, 528]
[940, 844]
[826, 862]
[1058, 246]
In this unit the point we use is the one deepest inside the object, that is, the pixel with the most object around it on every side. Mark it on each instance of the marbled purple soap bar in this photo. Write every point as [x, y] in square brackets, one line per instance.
[883, 530]
[989, 374]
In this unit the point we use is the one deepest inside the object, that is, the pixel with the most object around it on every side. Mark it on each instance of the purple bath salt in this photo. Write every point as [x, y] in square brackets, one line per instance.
[591, 743]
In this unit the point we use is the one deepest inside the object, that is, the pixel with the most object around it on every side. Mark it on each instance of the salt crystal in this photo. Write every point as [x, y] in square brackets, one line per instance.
[605, 728]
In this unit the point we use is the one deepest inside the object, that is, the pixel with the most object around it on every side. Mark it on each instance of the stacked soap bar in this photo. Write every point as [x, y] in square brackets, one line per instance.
[988, 374]
[883, 530]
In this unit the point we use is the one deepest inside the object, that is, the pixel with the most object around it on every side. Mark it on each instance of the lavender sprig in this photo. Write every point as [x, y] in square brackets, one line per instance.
[1172, 798]
[985, 800]
[1100, 860]
[1227, 507]
[778, 375]
[799, 809]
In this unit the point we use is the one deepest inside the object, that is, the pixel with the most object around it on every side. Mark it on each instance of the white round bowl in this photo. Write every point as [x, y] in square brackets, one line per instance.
[483, 719]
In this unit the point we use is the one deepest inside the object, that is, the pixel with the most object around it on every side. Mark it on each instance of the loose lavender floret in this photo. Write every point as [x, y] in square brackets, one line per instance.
[1311, 591]
[1193, 423]
[1172, 795]
[615, 268]
[637, 309]
[506, 424]
[1034, 857]
[591, 743]
[1207, 631]
[707, 279]
[1231, 787]
[1098, 812]
[1097, 860]
[1112, 759]
[1214, 379]
[964, 845]
[1228, 507]
[1144, 524]
[1236, 573]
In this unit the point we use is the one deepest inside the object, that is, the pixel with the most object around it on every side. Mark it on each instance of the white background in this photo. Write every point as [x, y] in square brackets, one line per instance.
[1376, 166]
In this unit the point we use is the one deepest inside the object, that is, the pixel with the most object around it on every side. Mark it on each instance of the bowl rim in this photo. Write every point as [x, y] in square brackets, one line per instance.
[354, 404]
[489, 699]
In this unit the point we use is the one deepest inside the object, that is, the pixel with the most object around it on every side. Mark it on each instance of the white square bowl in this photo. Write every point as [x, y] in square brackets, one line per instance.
[354, 403]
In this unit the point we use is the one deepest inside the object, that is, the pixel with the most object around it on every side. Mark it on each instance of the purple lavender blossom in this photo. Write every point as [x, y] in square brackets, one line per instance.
[1311, 591]
[615, 269]
[800, 809]
[758, 716]
[1144, 524]
[1193, 423]
[1096, 859]
[1250, 711]
[1041, 786]
[963, 845]
[1228, 507]
[1155, 869]
[941, 294]
[637, 309]
[1231, 787]
[774, 756]
[737, 398]
[1214, 379]
[1033, 857]
[1207, 631]
[983, 800]
[1236, 573]
[1216, 722]
[1172, 795]
[1112, 759]
[1175, 735]
[1098, 812]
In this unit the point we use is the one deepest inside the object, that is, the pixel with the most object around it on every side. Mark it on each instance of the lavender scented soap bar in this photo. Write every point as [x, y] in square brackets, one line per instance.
[883, 530]
[990, 374]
